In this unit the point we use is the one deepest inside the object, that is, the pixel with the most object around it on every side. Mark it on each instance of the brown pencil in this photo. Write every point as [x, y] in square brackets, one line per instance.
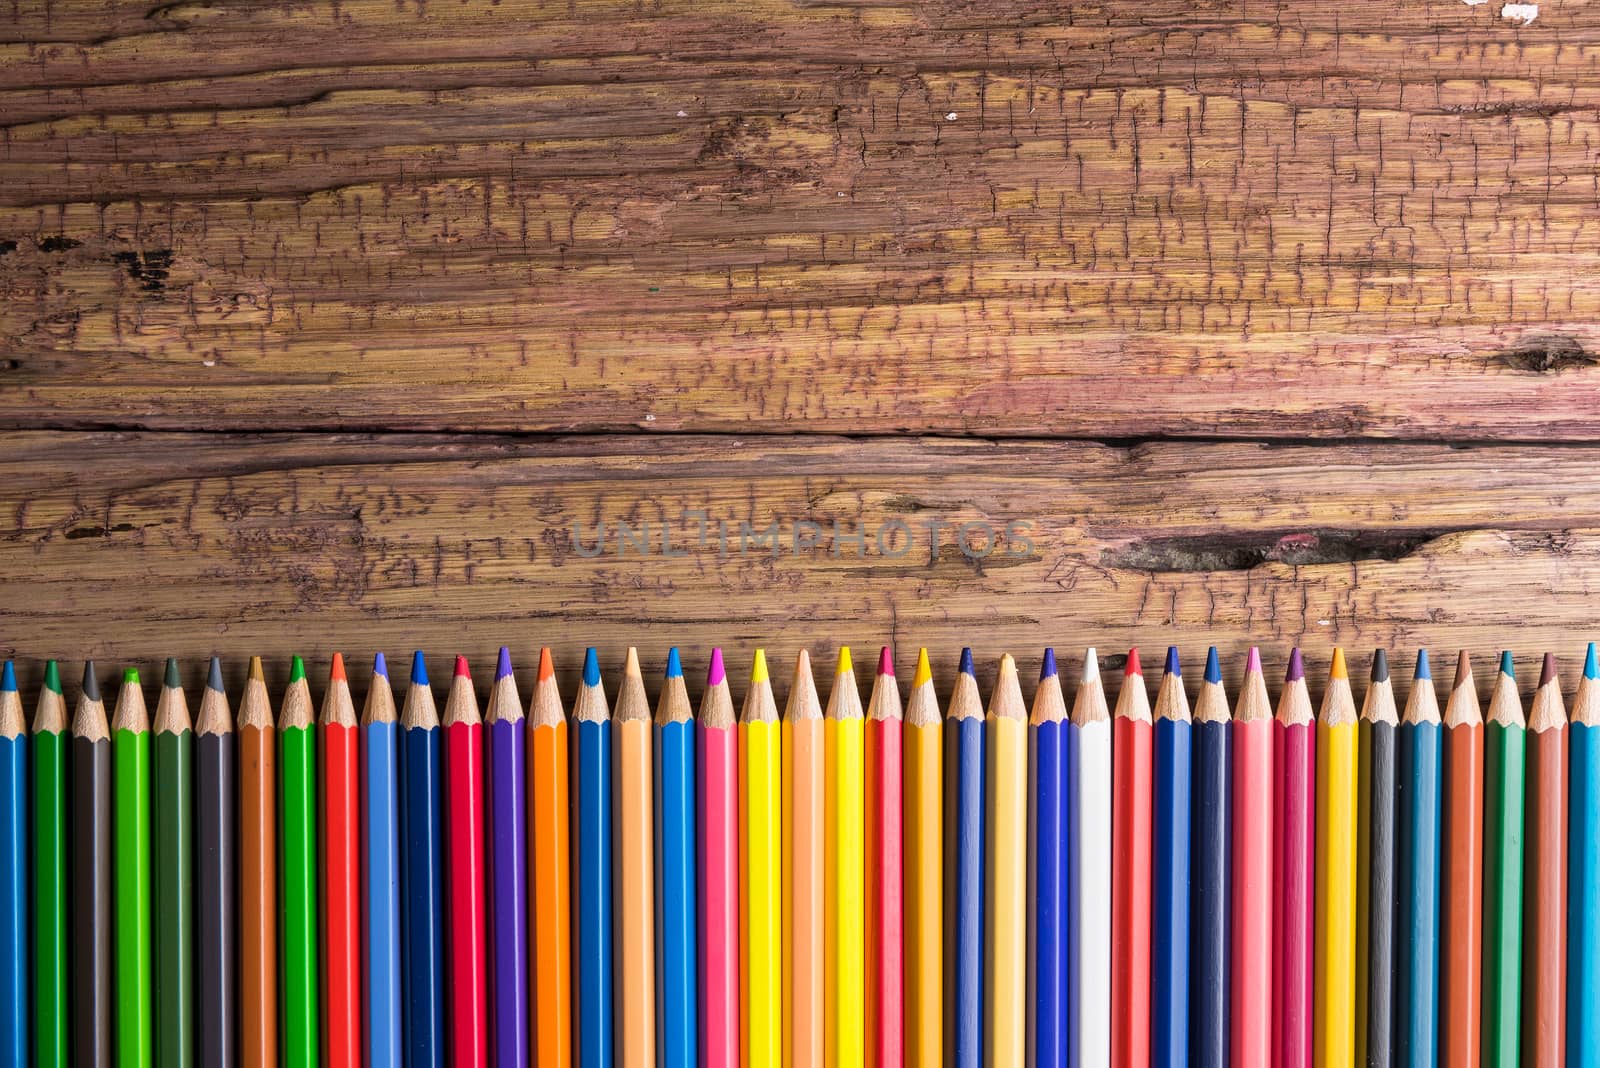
[1463, 873]
[258, 875]
[1544, 918]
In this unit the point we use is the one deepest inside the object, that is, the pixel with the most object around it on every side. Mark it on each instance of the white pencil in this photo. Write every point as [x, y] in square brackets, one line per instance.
[1089, 772]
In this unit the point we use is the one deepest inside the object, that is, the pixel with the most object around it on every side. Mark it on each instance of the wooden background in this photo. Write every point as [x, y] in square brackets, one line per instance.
[323, 324]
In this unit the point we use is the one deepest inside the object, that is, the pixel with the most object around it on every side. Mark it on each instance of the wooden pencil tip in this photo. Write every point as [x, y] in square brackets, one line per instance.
[630, 664]
[1547, 671]
[1463, 668]
[336, 669]
[461, 668]
[172, 679]
[1253, 661]
[546, 668]
[91, 684]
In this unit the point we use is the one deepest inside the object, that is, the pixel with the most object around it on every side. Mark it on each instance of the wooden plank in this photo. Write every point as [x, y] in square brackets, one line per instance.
[135, 547]
[1129, 220]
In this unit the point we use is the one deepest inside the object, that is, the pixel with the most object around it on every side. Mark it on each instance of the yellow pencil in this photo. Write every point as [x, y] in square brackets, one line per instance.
[924, 873]
[761, 873]
[1007, 877]
[1335, 993]
[844, 729]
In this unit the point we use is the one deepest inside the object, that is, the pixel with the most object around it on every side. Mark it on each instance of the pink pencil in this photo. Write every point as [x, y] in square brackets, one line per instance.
[885, 922]
[719, 870]
[1250, 1028]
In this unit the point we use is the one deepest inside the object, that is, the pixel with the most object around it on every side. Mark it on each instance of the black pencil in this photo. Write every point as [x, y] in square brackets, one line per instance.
[216, 861]
[89, 844]
[1375, 860]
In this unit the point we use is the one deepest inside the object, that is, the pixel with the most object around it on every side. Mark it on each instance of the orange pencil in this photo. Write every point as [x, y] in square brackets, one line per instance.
[1544, 930]
[635, 872]
[258, 875]
[924, 872]
[550, 903]
[1461, 1019]
[803, 867]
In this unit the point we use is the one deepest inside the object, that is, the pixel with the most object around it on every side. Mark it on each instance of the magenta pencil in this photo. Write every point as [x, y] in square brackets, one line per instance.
[719, 868]
[1294, 779]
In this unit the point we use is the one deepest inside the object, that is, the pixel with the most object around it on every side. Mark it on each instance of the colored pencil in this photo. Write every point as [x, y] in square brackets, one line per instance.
[676, 893]
[1294, 769]
[1047, 898]
[1375, 871]
[466, 927]
[1211, 870]
[1006, 890]
[172, 868]
[340, 868]
[89, 839]
[885, 920]
[15, 1009]
[297, 871]
[506, 777]
[924, 872]
[1544, 923]
[845, 900]
[382, 957]
[422, 883]
[216, 859]
[1418, 756]
[1461, 868]
[550, 903]
[1583, 875]
[1250, 1014]
[130, 859]
[964, 866]
[1169, 872]
[635, 874]
[804, 867]
[591, 862]
[1505, 754]
[1089, 872]
[48, 750]
[1335, 951]
[718, 816]
[258, 875]
[1131, 775]
[761, 873]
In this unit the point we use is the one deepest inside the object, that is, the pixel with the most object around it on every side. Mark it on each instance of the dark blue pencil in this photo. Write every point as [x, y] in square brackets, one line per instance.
[422, 896]
[1210, 848]
[677, 898]
[591, 871]
[1169, 899]
[1419, 755]
[1047, 887]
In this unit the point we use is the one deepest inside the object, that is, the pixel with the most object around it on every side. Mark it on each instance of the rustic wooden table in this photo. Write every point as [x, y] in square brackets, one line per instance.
[346, 326]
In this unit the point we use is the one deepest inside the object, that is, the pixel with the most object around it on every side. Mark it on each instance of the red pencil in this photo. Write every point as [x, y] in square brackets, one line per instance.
[1250, 994]
[467, 915]
[1294, 775]
[1131, 814]
[341, 875]
[885, 927]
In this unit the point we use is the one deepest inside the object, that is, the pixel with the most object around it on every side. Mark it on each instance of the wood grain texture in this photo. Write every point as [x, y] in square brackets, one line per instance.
[134, 547]
[1170, 218]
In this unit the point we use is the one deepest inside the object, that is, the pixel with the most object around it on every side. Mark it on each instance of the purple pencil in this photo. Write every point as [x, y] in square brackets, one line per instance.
[508, 870]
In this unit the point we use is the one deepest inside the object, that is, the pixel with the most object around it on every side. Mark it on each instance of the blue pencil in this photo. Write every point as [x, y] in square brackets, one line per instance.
[1211, 846]
[676, 897]
[591, 896]
[1047, 887]
[964, 765]
[1169, 899]
[382, 1029]
[1419, 752]
[422, 899]
[14, 868]
[506, 787]
[1583, 870]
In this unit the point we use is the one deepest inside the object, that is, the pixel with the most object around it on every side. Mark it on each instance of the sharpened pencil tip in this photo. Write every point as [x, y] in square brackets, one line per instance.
[297, 670]
[502, 667]
[1337, 669]
[1047, 670]
[758, 669]
[674, 664]
[924, 670]
[886, 662]
[1091, 666]
[844, 661]
[130, 676]
[591, 666]
[1423, 671]
[966, 663]
[1591, 666]
[1213, 666]
[1253, 661]
[52, 677]
[214, 675]
[1508, 667]
[461, 667]
[380, 666]
[1172, 667]
[547, 670]
[170, 677]
[91, 684]
[1463, 668]
[716, 673]
[419, 669]
[1297, 666]
[336, 669]
[8, 679]
[1380, 666]
[1547, 670]
[256, 673]
[1132, 667]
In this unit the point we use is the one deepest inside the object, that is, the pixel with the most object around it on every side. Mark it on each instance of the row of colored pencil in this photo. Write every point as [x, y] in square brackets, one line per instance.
[832, 887]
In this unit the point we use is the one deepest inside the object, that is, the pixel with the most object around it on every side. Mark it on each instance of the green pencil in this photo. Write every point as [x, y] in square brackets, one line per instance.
[297, 846]
[1504, 762]
[173, 863]
[50, 874]
[130, 874]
